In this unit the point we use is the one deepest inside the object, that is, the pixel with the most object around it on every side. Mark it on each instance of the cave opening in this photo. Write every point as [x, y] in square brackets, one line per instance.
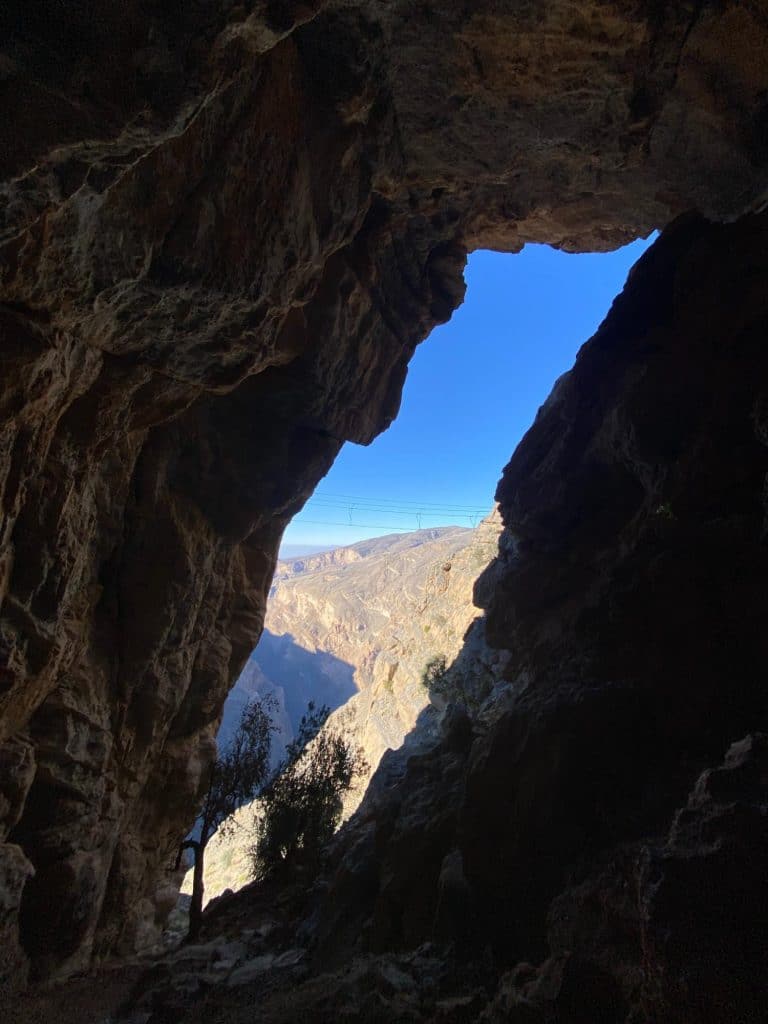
[373, 593]
[224, 232]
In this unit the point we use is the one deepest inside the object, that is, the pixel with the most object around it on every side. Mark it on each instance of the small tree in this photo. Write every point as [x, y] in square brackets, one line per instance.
[302, 806]
[312, 721]
[433, 676]
[236, 777]
[438, 679]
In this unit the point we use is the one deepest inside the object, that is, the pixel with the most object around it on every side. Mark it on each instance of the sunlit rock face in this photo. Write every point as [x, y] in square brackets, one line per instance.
[223, 231]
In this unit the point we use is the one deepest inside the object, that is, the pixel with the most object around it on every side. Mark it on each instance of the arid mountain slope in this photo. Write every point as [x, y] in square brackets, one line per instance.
[332, 614]
[381, 609]
[388, 612]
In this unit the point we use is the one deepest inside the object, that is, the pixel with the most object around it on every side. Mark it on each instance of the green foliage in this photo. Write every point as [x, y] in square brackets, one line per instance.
[237, 776]
[434, 674]
[302, 806]
[453, 685]
[312, 721]
[241, 769]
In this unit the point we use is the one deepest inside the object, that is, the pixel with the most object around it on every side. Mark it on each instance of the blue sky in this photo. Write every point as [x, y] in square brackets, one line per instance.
[472, 391]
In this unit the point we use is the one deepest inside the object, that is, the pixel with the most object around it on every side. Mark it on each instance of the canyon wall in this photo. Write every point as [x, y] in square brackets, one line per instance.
[354, 629]
[223, 230]
[404, 603]
[597, 836]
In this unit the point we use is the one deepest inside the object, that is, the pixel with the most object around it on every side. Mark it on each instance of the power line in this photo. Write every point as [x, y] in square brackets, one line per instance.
[356, 506]
[367, 526]
[395, 501]
[413, 505]
[440, 514]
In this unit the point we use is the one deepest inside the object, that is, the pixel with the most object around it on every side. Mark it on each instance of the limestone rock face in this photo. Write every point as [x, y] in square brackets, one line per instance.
[610, 811]
[223, 230]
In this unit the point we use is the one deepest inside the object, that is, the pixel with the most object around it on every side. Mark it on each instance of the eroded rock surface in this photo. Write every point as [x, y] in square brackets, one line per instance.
[223, 231]
[609, 814]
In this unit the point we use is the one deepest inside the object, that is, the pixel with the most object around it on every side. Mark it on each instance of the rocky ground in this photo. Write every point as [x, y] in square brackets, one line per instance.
[260, 958]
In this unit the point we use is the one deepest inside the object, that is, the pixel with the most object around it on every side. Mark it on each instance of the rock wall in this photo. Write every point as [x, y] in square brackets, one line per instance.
[223, 230]
[607, 813]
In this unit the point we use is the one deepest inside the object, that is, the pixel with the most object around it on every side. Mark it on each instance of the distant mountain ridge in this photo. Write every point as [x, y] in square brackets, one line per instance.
[289, 551]
[390, 543]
